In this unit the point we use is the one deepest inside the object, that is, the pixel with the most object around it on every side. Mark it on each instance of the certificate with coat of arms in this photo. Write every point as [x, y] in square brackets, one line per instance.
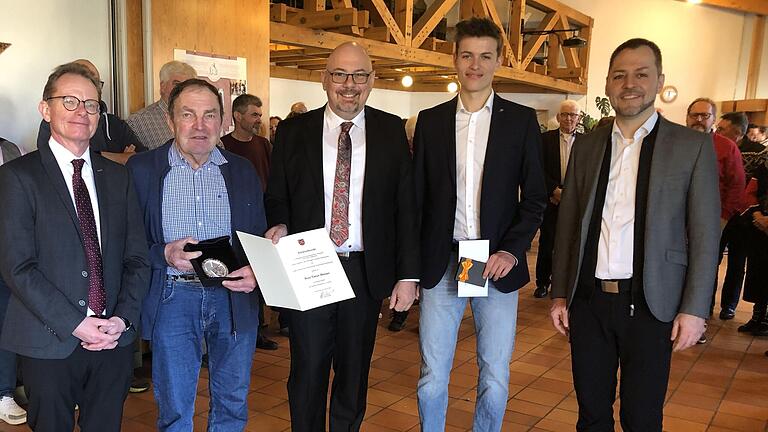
[301, 271]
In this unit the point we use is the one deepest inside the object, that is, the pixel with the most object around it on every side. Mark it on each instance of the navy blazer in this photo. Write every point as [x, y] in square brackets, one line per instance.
[513, 195]
[43, 259]
[247, 214]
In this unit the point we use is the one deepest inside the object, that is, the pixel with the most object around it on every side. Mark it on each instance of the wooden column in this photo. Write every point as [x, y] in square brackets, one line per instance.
[135, 55]
[229, 27]
[755, 54]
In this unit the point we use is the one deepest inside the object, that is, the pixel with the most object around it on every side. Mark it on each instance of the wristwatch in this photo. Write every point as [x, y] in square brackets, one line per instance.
[128, 324]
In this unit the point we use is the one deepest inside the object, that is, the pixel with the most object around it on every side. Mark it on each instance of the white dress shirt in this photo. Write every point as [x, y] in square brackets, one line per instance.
[566, 142]
[471, 143]
[64, 159]
[331, 130]
[617, 228]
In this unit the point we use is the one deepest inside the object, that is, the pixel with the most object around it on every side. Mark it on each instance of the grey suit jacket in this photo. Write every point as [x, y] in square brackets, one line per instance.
[682, 229]
[43, 260]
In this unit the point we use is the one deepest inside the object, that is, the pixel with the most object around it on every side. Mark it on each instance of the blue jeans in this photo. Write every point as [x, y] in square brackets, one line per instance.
[495, 320]
[189, 315]
[7, 358]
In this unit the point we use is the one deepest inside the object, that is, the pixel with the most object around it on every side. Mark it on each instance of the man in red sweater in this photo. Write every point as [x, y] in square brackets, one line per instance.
[701, 116]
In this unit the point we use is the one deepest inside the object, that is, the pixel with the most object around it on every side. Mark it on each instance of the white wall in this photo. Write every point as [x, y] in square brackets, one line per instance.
[44, 34]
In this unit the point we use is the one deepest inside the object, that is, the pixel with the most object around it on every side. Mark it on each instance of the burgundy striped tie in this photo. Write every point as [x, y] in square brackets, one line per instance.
[97, 298]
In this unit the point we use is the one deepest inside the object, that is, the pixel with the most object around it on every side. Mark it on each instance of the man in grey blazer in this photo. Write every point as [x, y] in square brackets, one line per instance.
[636, 248]
[76, 264]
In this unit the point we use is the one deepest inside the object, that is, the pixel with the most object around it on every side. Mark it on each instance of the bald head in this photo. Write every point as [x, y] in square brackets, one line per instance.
[299, 108]
[348, 79]
[88, 65]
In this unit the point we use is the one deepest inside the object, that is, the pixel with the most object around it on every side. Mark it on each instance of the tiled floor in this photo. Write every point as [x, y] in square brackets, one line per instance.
[721, 386]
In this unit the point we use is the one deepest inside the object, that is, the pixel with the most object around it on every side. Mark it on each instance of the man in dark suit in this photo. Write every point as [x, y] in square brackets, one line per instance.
[79, 266]
[478, 176]
[636, 247]
[345, 167]
[556, 148]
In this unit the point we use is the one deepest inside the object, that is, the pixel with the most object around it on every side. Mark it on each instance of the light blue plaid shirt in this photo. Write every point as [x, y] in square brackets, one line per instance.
[195, 202]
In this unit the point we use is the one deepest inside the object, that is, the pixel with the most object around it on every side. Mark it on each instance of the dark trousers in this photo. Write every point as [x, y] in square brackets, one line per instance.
[341, 335]
[97, 381]
[734, 238]
[603, 338]
[546, 246]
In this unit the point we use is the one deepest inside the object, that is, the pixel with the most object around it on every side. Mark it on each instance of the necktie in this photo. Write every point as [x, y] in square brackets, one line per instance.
[97, 298]
[340, 204]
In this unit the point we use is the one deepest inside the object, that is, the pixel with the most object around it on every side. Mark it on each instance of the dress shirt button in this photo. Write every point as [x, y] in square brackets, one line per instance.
[84, 273]
[81, 302]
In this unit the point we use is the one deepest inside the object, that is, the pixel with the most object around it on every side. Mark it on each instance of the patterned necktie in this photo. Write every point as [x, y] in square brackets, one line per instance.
[97, 298]
[340, 205]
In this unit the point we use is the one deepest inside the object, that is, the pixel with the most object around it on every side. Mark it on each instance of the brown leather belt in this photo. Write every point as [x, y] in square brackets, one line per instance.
[609, 286]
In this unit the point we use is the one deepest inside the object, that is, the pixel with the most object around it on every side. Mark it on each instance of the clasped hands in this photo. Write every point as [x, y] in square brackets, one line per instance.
[98, 334]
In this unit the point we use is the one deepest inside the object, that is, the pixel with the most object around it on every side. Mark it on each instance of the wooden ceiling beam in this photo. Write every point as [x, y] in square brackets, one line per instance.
[555, 6]
[314, 5]
[298, 36]
[325, 19]
[382, 15]
[516, 16]
[434, 13]
[404, 19]
[534, 43]
[490, 7]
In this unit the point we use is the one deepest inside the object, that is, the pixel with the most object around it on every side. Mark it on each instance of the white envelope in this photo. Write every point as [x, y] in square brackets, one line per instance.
[476, 250]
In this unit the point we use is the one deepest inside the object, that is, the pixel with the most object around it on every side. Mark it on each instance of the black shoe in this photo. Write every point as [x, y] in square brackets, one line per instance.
[266, 344]
[398, 321]
[540, 292]
[761, 329]
[139, 385]
[727, 314]
[749, 327]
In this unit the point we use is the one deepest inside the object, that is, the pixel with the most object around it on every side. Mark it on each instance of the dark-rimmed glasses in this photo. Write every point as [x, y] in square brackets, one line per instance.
[72, 102]
[699, 116]
[357, 77]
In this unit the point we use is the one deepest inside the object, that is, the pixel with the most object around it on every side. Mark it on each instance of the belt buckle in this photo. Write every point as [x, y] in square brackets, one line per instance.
[609, 286]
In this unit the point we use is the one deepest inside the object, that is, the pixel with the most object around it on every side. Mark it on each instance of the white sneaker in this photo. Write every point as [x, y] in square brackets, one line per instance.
[10, 412]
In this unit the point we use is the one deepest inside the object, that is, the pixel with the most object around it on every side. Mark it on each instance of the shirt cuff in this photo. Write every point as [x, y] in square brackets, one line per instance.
[409, 280]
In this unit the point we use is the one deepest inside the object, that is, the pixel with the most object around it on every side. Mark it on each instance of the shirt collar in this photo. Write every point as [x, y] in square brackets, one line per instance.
[64, 156]
[641, 132]
[333, 121]
[488, 105]
[175, 158]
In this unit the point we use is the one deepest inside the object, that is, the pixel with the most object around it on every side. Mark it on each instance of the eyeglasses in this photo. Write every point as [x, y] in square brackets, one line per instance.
[357, 77]
[71, 103]
[699, 116]
[570, 115]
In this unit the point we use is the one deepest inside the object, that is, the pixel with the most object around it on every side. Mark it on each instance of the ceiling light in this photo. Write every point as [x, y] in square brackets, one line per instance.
[407, 81]
[574, 42]
[694, 1]
[452, 87]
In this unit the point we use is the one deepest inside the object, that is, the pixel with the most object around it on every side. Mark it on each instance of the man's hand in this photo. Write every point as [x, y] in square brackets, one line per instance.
[130, 148]
[559, 314]
[556, 194]
[276, 233]
[117, 326]
[498, 265]
[246, 284]
[686, 330]
[93, 338]
[760, 221]
[403, 296]
[177, 258]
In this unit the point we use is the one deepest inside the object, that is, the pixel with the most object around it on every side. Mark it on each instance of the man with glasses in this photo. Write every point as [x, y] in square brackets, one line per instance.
[556, 148]
[114, 139]
[701, 116]
[344, 167]
[78, 268]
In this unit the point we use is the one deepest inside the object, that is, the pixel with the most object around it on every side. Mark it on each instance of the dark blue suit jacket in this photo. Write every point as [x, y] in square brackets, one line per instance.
[513, 196]
[247, 212]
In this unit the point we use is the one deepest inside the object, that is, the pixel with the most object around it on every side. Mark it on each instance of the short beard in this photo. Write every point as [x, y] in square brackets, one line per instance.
[632, 112]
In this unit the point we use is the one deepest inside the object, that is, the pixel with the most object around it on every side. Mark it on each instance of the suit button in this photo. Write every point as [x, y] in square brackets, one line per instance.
[84, 273]
[81, 302]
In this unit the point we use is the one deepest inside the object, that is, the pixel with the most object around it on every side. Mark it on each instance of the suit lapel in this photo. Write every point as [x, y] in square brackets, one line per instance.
[313, 137]
[449, 128]
[56, 177]
[661, 163]
[493, 146]
[104, 195]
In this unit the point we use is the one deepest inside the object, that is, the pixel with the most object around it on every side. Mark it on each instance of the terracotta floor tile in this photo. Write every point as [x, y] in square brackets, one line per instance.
[393, 419]
[685, 412]
[743, 410]
[739, 423]
[672, 424]
[540, 397]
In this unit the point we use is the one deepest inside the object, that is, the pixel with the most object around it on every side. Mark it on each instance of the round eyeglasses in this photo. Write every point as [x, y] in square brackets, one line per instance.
[72, 102]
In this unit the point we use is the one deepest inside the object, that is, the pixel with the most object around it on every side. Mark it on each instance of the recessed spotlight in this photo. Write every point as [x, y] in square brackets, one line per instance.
[407, 81]
[452, 87]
